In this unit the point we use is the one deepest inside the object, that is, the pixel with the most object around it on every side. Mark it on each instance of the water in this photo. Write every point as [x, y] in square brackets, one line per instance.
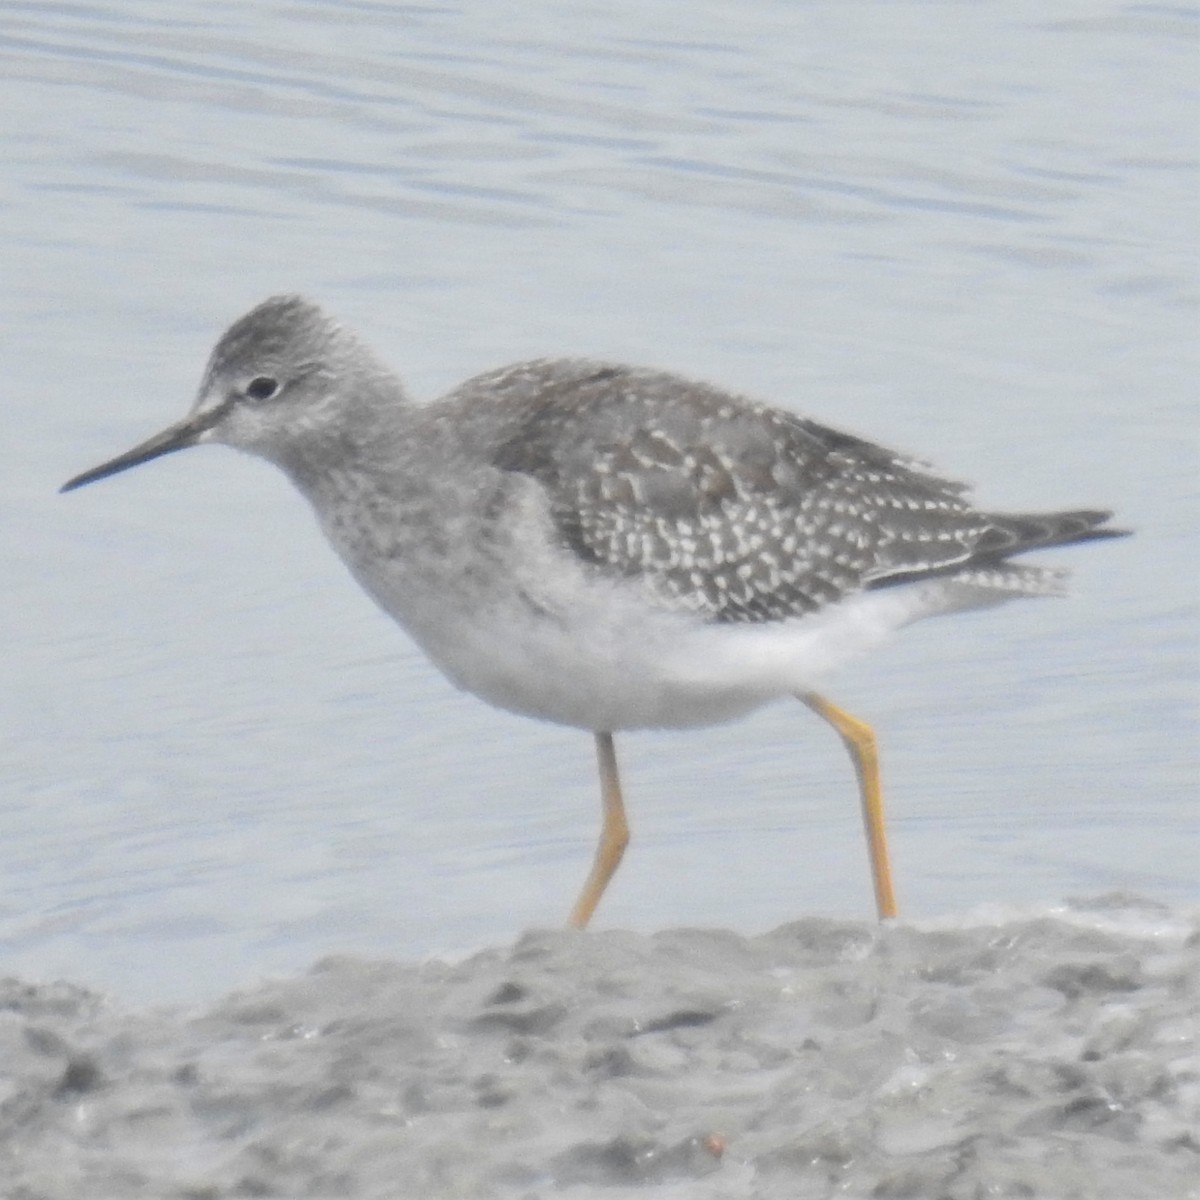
[968, 232]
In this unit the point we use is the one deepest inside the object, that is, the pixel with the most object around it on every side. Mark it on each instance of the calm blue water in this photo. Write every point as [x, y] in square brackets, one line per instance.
[965, 231]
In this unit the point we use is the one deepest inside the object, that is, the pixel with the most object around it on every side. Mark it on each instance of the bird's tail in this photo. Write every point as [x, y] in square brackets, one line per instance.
[1014, 533]
[985, 572]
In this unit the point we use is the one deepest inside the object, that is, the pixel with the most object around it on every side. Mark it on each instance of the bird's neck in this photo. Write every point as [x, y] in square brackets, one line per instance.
[375, 476]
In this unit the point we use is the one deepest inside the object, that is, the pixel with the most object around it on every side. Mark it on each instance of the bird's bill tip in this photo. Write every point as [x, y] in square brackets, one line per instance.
[176, 437]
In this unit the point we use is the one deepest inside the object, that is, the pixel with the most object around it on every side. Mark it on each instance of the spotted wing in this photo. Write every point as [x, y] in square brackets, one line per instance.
[730, 509]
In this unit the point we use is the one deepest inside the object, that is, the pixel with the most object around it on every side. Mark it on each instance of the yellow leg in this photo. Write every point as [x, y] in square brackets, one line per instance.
[860, 741]
[614, 835]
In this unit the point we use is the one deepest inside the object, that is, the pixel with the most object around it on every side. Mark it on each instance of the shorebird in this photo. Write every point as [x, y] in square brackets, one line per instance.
[611, 547]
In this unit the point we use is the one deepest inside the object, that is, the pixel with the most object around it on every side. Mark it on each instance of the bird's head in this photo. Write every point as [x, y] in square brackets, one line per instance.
[279, 377]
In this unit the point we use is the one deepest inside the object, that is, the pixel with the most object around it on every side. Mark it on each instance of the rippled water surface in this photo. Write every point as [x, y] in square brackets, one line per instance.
[967, 231]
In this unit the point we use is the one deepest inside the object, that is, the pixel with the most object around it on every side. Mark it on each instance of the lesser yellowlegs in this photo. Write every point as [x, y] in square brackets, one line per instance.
[611, 547]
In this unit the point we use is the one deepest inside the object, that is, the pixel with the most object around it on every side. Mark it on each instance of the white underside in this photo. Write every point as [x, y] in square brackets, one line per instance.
[628, 668]
[543, 635]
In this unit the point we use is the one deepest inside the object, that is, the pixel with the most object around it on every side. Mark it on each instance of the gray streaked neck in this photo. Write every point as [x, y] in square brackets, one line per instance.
[364, 424]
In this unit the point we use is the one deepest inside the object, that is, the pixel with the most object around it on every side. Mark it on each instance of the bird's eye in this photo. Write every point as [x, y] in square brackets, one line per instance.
[262, 387]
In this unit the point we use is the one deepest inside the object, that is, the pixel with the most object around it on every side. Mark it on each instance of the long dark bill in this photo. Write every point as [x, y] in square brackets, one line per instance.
[176, 437]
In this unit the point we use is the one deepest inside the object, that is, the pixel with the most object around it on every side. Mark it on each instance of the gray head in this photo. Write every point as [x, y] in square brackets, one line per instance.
[280, 377]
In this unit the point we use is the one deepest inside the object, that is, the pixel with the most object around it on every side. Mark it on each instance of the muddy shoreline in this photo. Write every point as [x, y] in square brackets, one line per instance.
[1050, 1055]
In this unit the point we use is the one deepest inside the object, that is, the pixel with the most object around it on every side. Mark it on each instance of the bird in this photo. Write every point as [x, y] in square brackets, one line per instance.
[613, 547]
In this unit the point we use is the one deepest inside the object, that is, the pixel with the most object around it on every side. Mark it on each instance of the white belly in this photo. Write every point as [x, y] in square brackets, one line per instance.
[622, 667]
[530, 629]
